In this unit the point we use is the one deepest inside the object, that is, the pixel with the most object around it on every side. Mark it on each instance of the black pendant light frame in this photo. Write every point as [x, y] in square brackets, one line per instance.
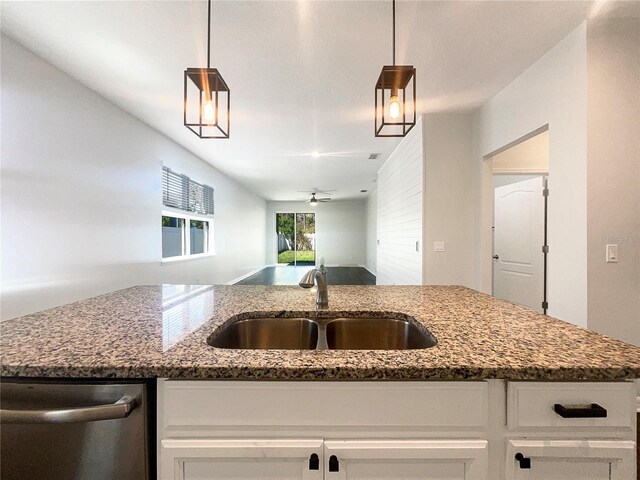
[395, 80]
[215, 92]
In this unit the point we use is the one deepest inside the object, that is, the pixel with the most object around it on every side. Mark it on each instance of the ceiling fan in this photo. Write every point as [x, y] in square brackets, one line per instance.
[313, 201]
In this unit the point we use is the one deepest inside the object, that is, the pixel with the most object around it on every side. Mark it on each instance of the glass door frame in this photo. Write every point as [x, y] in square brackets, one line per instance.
[295, 235]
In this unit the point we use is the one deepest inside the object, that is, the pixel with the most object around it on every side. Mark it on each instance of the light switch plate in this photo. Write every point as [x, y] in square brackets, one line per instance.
[612, 253]
[438, 246]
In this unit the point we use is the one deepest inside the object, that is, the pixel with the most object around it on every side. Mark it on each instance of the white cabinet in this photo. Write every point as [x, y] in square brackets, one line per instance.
[571, 460]
[570, 431]
[405, 460]
[300, 459]
[222, 430]
[204, 459]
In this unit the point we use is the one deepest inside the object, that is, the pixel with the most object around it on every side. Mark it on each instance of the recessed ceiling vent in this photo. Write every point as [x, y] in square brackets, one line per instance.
[374, 156]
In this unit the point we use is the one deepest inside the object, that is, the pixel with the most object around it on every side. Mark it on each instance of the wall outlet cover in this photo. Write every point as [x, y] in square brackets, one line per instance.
[438, 246]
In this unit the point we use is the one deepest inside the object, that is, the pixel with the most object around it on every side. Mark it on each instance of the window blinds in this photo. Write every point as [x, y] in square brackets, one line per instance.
[179, 191]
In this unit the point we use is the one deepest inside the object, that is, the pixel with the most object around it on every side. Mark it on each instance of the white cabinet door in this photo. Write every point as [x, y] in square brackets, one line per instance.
[200, 459]
[571, 460]
[406, 460]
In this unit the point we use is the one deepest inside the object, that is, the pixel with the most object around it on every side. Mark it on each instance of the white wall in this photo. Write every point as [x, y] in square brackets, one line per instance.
[448, 211]
[613, 58]
[372, 231]
[340, 230]
[552, 91]
[81, 196]
[502, 180]
[530, 156]
[399, 222]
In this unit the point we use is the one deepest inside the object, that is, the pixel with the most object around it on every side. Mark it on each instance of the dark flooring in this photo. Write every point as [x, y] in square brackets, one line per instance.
[287, 275]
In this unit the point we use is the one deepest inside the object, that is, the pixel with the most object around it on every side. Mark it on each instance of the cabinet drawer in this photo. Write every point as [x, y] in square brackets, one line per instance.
[532, 406]
[213, 406]
[571, 459]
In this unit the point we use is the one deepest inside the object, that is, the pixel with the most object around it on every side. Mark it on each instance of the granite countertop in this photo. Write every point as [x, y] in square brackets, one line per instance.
[161, 331]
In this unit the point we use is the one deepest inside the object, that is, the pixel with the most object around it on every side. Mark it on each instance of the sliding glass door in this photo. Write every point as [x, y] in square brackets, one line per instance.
[296, 238]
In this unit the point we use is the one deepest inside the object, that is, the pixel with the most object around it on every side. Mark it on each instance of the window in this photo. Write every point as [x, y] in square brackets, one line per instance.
[186, 217]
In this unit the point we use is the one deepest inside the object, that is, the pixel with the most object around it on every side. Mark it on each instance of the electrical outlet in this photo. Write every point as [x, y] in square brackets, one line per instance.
[438, 246]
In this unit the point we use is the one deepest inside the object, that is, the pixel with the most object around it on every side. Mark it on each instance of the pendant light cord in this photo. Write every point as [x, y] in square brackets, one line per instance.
[209, 35]
[394, 32]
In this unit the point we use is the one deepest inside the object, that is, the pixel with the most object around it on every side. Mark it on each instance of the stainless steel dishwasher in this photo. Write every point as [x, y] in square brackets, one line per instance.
[73, 431]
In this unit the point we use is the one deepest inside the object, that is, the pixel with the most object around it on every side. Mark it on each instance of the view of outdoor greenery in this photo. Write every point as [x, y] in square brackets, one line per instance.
[299, 228]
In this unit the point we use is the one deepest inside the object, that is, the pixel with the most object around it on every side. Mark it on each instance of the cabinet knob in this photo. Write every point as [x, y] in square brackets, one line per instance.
[525, 463]
[496, 257]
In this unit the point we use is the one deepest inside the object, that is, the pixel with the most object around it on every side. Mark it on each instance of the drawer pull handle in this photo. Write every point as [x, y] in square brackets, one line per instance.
[580, 411]
[334, 464]
[525, 462]
[314, 462]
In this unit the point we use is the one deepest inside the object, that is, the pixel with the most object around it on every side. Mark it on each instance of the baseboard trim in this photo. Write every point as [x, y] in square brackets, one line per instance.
[253, 272]
[372, 273]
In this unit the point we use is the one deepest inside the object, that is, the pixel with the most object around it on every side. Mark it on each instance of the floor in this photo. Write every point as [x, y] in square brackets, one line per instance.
[287, 275]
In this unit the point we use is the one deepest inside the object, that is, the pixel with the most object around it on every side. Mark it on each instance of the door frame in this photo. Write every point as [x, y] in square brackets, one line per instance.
[485, 231]
[545, 245]
[295, 240]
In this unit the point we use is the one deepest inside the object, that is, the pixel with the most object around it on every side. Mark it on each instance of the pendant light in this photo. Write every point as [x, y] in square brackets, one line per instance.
[395, 103]
[206, 97]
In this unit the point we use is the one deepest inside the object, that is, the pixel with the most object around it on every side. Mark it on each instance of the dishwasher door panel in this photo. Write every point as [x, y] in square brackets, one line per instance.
[44, 445]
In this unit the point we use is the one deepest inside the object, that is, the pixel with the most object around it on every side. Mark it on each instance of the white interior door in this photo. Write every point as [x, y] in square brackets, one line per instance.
[518, 238]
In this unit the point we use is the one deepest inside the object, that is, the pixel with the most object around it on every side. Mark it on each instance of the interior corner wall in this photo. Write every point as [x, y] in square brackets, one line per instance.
[448, 208]
[613, 208]
[372, 231]
[552, 91]
[340, 230]
[81, 196]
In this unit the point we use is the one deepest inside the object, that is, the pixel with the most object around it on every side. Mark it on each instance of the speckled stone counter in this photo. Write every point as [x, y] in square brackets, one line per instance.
[161, 331]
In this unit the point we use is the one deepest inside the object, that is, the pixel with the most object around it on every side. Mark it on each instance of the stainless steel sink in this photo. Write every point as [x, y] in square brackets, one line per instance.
[268, 333]
[370, 333]
[376, 334]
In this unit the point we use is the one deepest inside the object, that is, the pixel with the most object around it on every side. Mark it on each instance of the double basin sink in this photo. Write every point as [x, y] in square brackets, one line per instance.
[355, 333]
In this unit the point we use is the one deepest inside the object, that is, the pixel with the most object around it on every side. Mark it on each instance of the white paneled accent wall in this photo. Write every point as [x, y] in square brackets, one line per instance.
[372, 231]
[399, 222]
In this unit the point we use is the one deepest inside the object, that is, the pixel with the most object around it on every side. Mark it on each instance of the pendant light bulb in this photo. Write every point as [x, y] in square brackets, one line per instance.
[394, 107]
[208, 111]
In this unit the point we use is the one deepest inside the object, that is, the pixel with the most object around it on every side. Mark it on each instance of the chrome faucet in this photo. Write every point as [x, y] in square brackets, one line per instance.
[319, 277]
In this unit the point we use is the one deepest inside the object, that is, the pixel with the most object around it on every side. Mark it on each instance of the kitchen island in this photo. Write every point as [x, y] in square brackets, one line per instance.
[162, 331]
[506, 393]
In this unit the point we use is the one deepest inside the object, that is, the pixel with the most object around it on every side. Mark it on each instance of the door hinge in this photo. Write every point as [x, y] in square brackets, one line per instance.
[545, 192]
[545, 305]
[545, 248]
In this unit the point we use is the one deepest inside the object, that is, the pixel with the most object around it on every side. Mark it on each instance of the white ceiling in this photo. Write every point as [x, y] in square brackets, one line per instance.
[301, 72]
